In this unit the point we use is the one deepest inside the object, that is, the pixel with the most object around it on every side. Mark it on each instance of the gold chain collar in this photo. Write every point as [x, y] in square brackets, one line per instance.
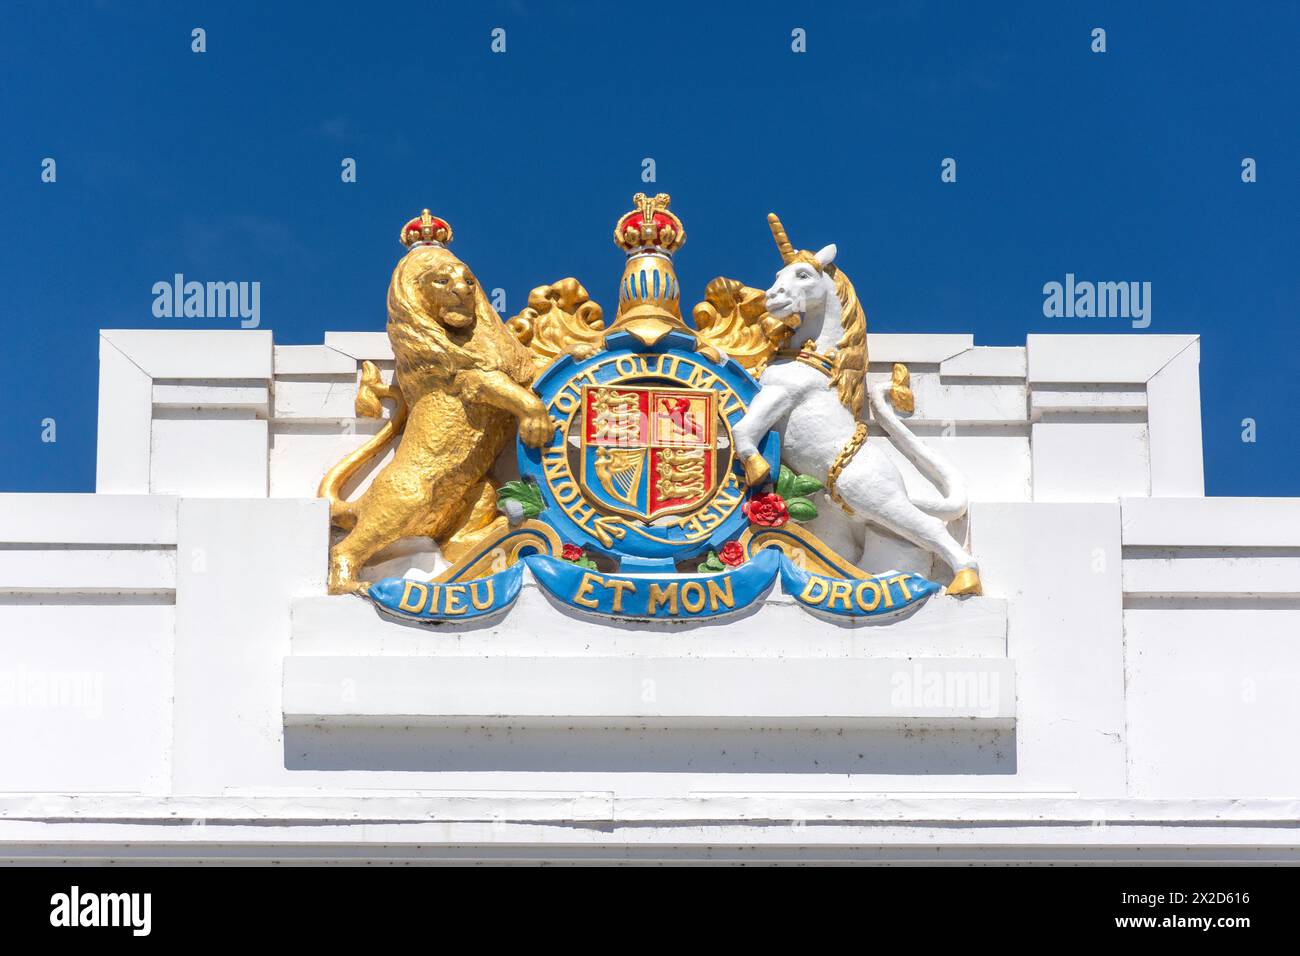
[808, 355]
[851, 448]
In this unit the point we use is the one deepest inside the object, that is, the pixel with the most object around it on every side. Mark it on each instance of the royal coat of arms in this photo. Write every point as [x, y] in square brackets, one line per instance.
[665, 467]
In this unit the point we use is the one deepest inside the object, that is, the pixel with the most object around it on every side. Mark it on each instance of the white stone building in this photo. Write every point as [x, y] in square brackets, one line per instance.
[177, 685]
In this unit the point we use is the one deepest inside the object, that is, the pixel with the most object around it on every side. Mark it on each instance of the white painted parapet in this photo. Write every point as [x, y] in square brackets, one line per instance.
[184, 412]
[1211, 621]
[171, 656]
[1065, 418]
[87, 624]
[1115, 416]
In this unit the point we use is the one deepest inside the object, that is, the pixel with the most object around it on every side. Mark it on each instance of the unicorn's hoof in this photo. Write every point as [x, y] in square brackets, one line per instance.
[757, 470]
[965, 581]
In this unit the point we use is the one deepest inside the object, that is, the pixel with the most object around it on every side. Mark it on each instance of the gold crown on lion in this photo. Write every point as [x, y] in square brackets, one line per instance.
[426, 230]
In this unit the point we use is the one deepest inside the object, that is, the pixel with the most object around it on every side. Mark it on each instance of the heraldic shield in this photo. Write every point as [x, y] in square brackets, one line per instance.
[649, 451]
[642, 464]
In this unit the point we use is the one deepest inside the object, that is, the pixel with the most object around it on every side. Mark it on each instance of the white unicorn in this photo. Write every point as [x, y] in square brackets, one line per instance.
[814, 396]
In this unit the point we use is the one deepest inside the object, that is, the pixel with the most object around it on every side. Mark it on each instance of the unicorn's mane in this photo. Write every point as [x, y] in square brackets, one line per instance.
[849, 368]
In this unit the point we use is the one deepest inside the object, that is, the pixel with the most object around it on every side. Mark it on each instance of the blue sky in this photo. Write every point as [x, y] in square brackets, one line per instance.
[225, 166]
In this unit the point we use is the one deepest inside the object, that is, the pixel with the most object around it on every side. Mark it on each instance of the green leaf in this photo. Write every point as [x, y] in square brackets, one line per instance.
[711, 564]
[801, 509]
[586, 562]
[526, 493]
[784, 480]
[804, 485]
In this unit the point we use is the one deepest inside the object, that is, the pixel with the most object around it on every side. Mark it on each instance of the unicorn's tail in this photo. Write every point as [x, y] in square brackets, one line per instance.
[884, 397]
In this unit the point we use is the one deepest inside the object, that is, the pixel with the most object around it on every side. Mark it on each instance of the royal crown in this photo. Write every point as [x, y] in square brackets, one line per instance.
[650, 226]
[648, 294]
[426, 230]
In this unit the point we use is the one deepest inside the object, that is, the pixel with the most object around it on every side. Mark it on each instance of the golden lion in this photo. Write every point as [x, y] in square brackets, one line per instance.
[461, 381]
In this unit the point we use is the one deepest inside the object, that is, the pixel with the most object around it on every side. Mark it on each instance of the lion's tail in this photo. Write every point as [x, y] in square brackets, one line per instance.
[370, 396]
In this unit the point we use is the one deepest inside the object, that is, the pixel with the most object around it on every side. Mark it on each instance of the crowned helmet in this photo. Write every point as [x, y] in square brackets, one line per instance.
[648, 295]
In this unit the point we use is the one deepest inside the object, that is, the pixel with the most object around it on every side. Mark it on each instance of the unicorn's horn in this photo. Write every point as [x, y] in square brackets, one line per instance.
[782, 240]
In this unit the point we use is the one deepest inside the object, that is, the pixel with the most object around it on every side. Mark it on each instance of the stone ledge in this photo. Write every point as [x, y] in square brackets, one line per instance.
[944, 627]
[310, 806]
[603, 691]
[1211, 522]
[506, 828]
[1097, 358]
[87, 519]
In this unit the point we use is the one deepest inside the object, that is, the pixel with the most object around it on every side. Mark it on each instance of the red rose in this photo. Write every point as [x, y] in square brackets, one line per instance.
[767, 510]
[571, 552]
[732, 554]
